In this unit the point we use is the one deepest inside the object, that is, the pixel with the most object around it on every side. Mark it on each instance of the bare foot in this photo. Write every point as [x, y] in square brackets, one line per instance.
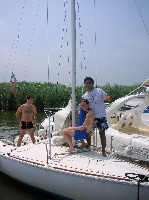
[70, 149]
[104, 155]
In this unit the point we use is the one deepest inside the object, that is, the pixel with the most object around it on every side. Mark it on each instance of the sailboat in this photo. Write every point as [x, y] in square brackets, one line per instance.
[82, 174]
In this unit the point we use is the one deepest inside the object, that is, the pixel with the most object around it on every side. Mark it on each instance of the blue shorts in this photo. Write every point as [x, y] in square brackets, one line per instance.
[26, 125]
[101, 123]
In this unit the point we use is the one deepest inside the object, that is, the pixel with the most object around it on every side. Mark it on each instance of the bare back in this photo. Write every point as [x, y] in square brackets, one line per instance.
[90, 121]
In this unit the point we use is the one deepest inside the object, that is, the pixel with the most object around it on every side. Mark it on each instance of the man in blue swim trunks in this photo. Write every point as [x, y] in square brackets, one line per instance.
[96, 98]
[29, 116]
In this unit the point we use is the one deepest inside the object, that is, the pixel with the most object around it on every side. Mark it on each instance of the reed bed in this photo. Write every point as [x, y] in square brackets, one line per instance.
[50, 95]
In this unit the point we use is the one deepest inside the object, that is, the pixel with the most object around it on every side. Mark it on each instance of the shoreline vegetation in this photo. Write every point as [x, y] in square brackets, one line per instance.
[50, 95]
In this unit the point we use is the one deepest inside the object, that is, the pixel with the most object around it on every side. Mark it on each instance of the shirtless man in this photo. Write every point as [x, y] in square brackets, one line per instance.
[29, 116]
[88, 124]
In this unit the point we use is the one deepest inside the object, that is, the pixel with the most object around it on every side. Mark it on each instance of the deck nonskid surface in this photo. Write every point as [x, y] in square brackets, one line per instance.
[89, 162]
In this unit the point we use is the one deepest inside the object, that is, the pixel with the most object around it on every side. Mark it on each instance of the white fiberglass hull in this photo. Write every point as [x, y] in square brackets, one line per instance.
[128, 144]
[84, 175]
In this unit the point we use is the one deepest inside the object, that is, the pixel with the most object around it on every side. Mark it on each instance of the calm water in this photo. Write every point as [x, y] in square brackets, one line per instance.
[13, 190]
[9, 188]
[9, 126]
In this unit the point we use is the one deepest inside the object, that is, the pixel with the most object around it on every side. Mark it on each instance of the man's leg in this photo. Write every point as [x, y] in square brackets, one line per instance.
[68, 134]
[103, 142]
[31, 133]
[88, 138]
[22, 132]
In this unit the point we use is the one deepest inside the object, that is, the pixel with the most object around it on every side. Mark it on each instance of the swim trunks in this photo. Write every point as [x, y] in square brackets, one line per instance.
[101, 123]
[26, 125]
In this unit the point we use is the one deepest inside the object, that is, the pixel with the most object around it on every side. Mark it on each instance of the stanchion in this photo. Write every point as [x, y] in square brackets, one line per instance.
[49, 112]
[49, 138]
[96, 138]
[94, 141]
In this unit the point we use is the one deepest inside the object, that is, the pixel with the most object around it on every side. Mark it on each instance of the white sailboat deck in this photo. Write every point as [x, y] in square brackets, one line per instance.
[83, 162]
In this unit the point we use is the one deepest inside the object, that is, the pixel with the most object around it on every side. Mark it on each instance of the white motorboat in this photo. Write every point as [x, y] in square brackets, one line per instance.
[126, 115]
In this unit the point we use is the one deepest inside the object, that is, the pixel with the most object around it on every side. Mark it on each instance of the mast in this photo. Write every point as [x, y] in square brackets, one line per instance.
[73, 35]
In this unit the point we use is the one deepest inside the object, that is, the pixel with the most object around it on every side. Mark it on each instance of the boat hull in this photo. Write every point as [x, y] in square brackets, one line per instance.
[69, 184]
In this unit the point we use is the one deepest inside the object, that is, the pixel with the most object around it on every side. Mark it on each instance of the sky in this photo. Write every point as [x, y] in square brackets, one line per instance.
[32, 41]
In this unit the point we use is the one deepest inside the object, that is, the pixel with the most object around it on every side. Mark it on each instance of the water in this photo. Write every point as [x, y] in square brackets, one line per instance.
[9, 188]
[9, 126]
[13, 190]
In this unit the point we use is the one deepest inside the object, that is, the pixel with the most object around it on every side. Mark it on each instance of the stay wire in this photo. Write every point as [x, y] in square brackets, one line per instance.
[67, 44]
[48, 37]
[95, 38]
[29, 50]
[64, 32]
[142, 17]
[81, 43]
[15, 43]
[82, 52]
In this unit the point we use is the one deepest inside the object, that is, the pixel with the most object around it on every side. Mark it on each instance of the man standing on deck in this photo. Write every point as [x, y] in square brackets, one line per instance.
[29, 116]
[96, 98]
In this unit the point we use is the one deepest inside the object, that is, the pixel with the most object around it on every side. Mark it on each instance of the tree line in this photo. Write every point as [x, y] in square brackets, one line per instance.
[49, 95]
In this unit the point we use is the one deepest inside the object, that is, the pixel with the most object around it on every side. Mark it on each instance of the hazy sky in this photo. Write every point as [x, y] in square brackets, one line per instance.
[29, 41]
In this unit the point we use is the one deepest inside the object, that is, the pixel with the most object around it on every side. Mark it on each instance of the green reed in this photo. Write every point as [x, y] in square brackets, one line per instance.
[50, 95]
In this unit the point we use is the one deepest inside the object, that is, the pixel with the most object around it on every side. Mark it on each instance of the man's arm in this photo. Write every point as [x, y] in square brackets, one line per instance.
[18, 112]
[35, 113]
[107, 98]
[80, 128]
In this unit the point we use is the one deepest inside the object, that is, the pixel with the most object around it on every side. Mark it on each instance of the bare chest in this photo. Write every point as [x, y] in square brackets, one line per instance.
[28, 109]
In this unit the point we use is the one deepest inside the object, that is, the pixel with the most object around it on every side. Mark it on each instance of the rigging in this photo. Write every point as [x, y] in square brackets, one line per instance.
[31, 39]
[95, 41]
[142, 18]
[64, 34]
[81, 43]
[15, 42]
